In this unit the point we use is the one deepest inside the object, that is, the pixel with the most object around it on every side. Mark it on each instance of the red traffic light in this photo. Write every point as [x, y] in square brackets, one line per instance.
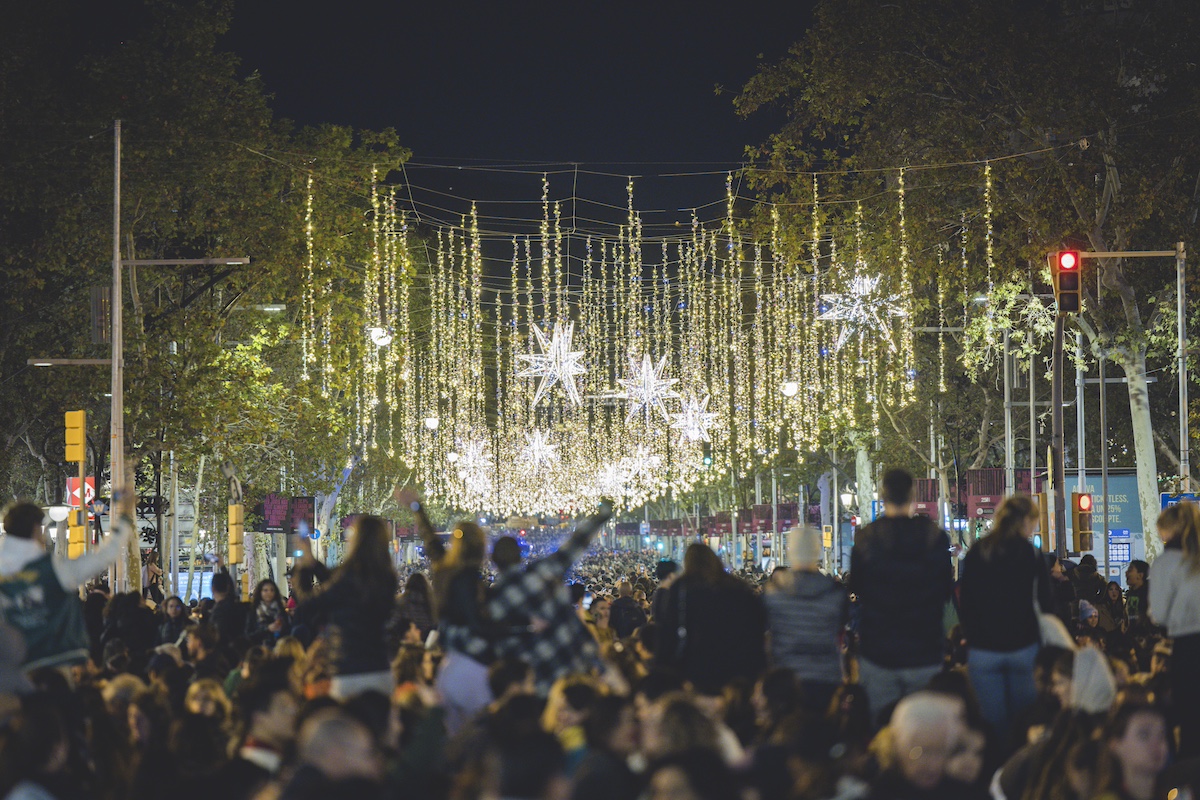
[1084, 502]
[1068, 260]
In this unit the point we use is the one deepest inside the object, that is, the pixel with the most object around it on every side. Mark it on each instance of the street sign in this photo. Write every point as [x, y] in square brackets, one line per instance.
[89, 492]
[644, 528]
[1120, 550]
[1169, 499]
[876, 509]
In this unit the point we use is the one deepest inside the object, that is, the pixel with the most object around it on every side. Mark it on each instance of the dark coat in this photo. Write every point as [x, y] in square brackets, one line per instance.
[724, 629]
[996, 598]
[625, 616]
[901, 572]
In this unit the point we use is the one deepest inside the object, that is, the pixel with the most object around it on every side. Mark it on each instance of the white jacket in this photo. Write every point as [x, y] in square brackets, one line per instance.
[1175, 594]
[72, 573]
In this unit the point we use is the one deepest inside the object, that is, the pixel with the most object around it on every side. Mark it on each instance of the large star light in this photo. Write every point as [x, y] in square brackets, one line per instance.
[538, 451]
[641, 465]
[646, 388]
[694, 420]
[861, 308]
[557, 363]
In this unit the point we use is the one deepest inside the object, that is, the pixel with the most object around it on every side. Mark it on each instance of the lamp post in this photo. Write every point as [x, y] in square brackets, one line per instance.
[59, 513]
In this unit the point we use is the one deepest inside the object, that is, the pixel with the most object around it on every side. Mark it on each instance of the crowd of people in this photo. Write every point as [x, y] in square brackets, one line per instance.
[499, 671]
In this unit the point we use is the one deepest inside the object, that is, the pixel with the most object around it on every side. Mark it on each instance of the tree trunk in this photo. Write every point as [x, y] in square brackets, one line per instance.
[325, 505]
[864, 476]
[195, 528]
[1134, 365]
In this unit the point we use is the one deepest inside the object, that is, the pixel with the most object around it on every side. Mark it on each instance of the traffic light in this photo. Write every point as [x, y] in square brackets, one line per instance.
[236, 529]
[706, 454]
[76, 451]
[1042, 537]
[1081, 520]
[1066, 281]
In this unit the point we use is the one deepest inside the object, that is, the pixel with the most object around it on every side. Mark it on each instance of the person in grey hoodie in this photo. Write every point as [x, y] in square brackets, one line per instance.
[1175, 604]
[806, 615]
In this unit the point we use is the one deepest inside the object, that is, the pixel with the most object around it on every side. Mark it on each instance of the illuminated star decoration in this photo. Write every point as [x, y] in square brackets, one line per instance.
[610, 480]
[641, 464]
[475, 467]
[538, 451]
[557, 363]
[694, 420]
[646, 388]
[862, 308]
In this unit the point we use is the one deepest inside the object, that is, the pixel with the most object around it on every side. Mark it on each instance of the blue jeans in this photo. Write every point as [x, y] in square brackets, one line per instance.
[1004, 684]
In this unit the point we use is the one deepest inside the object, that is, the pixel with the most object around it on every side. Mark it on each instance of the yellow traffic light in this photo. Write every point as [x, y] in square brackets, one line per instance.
[76, 540]
[236, 529]
[76, 436]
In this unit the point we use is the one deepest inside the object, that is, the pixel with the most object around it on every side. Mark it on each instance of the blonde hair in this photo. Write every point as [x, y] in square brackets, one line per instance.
[1183, 520]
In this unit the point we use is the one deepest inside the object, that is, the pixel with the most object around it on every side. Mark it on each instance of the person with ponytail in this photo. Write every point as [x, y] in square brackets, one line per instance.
[1003, 637]
[1175, 604]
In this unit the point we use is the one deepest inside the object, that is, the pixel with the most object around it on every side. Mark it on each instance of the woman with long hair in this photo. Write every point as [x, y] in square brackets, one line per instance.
[459, 594]
[267, 620]
[714, 626]
[1136, 746]
[1003, 637]
[356, 601]
[1175, 604]
[174, 621]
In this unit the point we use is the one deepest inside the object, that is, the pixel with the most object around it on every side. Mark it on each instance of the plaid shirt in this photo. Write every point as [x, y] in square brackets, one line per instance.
[540, 591]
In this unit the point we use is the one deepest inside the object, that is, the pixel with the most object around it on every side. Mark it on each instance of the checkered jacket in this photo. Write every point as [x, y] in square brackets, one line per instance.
[540, 590]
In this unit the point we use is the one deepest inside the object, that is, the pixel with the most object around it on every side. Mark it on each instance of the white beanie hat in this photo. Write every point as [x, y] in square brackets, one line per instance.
[805, 545]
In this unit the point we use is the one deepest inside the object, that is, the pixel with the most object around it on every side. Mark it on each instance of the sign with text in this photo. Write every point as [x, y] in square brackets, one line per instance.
[275, 513]
[303, 514]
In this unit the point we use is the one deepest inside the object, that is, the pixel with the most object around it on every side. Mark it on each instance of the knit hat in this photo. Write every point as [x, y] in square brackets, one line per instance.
[1087, 611]
[805, 545]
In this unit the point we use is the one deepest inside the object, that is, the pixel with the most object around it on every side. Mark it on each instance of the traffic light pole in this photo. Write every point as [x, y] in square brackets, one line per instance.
[1056, 438]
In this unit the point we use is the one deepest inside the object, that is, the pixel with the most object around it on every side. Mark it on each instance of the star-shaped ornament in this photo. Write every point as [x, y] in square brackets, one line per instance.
[538, 451]
[646, 388]
[557, 363]
[694, 420]
[861, 308]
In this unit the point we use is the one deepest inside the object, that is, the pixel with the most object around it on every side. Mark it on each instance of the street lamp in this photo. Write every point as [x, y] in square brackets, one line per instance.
[430, 423]
[380, 337]
[790, 389]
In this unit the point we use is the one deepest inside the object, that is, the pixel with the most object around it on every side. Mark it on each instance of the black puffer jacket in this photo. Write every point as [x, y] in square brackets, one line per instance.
[901, 572]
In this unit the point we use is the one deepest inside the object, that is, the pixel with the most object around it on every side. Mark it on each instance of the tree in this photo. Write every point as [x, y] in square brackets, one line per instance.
[1098, 107]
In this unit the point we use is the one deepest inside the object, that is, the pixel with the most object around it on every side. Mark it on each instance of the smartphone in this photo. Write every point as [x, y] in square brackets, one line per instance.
[587, 600]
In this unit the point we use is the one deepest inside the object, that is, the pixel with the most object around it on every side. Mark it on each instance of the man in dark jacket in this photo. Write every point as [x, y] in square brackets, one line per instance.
[901, 572]
[625, 615]
[229, 613]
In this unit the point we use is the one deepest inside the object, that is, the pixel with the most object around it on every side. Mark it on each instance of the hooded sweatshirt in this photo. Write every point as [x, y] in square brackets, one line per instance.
[805, 617]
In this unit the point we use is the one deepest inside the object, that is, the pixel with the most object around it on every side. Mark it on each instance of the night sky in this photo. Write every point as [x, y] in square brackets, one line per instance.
[623, 87]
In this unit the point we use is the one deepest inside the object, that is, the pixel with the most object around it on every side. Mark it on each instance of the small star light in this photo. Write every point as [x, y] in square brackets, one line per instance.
[475, 466]
[610, 480]
[557, 363]
[695, 420]
[538, 451]
[641, 464]
[860, 308]
[647, 388]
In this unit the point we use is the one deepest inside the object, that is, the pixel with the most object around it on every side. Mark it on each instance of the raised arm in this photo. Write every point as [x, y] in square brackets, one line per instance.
[74, 572]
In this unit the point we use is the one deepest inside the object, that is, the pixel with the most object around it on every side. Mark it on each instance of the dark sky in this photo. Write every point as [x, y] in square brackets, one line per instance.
[624, 87]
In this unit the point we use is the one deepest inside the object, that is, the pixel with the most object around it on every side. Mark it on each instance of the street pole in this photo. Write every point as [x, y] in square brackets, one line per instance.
[1080, 414]
[1056, 435]
[117, 409]
[776, 536]
[1185, 459]
[1032, 416]
[1104, 458]
[1010, 471]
